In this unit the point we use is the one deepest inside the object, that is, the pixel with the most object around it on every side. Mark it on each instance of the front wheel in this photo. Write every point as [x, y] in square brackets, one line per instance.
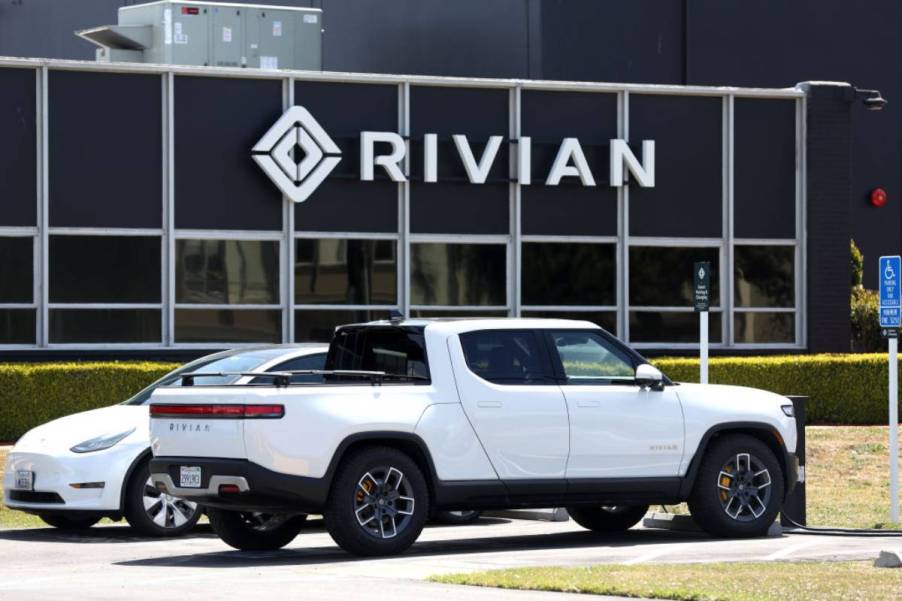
[738, 489]
[152, 512]
[64, 522]
[254, 531]
[609, 518]
[378, 504]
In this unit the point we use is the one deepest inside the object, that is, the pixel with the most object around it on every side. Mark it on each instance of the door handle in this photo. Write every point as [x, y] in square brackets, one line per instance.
[489, 404]
[588, 404]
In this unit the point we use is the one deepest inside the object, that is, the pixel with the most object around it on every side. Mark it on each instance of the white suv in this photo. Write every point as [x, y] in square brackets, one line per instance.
[422, 415]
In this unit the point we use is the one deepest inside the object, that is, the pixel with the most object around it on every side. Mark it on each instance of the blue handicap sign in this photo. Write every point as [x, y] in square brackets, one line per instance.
[890, 306]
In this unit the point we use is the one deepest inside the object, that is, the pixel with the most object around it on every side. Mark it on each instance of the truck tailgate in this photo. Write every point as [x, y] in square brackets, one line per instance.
[198, 422]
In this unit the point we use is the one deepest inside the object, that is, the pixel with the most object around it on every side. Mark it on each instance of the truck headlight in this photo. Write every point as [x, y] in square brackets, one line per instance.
[100, 443]
[788, 410]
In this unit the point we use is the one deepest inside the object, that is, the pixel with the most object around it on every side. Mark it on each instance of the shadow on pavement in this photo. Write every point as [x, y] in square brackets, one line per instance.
[118, 533]
[492, 544]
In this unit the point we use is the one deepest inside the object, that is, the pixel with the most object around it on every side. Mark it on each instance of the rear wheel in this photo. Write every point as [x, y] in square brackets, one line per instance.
[608, 518]
[467, 516]
[152, 512]
[254, 531]
[378, 504]
[64, 522]
[738, 489]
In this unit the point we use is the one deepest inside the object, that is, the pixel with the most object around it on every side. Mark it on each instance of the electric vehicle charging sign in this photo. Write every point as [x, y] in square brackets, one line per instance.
[890, 307]
[701, 277]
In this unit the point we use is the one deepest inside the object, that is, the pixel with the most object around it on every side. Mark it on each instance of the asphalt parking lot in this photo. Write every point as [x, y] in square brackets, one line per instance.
[108, 562]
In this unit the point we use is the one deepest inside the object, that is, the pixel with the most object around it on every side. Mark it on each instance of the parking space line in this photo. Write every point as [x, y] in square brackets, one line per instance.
[787, 551]
[652, 555]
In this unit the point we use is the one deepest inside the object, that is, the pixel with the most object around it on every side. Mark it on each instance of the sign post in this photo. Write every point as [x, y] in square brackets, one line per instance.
[701, 280]
[889, 270]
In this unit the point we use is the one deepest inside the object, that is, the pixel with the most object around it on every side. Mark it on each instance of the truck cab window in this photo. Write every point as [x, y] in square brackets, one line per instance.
[395, 351]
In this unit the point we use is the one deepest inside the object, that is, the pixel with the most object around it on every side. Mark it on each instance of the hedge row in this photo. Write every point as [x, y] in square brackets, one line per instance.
[841, 389]
[32, 394]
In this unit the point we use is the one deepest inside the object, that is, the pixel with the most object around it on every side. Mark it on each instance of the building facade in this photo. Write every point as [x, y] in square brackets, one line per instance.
[137, 218]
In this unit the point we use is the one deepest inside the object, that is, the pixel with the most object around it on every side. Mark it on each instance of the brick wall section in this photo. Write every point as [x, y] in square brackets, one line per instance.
[829, 190]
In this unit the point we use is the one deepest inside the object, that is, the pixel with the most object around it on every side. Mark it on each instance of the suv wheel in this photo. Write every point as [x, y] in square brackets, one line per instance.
[738, 489]
[65, 522]
[609, 518]
[378, 503]
[254, 531]
[152, 512]
[457, 518]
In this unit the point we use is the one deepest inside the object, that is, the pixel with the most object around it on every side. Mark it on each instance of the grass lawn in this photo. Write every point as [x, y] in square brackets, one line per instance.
[787, 581]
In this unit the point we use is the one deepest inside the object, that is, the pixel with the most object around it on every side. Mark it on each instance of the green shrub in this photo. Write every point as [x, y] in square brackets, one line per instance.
[865, 318]
[34, 393]
[857, 265]
[842, 389]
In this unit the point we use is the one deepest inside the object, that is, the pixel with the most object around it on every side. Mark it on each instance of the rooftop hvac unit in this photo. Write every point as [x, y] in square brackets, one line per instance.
[177, 32]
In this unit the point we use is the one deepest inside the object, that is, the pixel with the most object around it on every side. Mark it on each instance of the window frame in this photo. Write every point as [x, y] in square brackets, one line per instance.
[611, 344]
[35, 304]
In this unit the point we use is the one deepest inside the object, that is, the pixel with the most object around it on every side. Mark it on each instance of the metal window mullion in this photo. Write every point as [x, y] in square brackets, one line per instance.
[286, 256]
[346, 236]
[43, 207]
[251, 235]
[670, 309]
[801, 254]
[573, 308]
[105, 305]
[106, 231]
[570, 239]
[343, 307]
[165, 260]
[169, 225]
[622, 272]
[515, 264]
[20, 232]
[403, 283]
[18, 306]
[460, 307]
[728, 271]
[459, 238]
[666, 242]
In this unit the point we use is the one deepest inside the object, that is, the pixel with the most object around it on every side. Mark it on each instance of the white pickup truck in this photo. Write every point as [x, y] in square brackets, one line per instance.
[414, 416]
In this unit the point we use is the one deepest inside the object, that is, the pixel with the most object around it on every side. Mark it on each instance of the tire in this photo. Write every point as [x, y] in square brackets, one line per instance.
[614, 518]
[252, 531]
[386, 522]
[153, 513]
[738, 489]
[457, 518]
[65, 522]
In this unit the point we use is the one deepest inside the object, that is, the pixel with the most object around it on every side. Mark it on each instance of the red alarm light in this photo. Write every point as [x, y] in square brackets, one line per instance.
[878, 197]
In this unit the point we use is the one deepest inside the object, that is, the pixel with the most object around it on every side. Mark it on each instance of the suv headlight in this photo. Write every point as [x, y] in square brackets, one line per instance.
[100, 443]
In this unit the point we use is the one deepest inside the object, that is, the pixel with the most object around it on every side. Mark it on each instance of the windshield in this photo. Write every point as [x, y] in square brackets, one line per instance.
[238, 362]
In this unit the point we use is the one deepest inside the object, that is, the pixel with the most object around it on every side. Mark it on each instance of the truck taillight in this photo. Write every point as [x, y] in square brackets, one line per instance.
[212, 411]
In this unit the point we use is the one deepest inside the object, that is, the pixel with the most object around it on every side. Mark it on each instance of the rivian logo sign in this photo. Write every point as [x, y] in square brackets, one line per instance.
[297, 154]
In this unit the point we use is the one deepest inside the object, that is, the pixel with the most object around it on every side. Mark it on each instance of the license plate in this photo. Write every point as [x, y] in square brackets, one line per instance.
[189, 476]
[24, 480]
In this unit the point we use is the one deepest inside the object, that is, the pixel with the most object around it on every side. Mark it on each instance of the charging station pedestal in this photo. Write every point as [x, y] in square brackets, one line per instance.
[794, 505]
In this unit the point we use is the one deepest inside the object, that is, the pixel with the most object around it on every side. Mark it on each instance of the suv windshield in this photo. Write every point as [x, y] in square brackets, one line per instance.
[237, 362]
[395, 351]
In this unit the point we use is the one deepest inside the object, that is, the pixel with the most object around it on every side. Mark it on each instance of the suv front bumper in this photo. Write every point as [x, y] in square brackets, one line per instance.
[259, 488]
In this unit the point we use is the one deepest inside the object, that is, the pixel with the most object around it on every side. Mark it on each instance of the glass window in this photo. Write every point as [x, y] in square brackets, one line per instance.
[588, 356]
[664, 326]
[16, 270]
[317, 361]
[661, 276]
[228, 325]
[356, 272]
[505, 356]
[603, 319]
[319, 325]
[95, 326]
[764, 276]
[17, 326]
[227, 272]
[757, 327]
[105, 269]
[458, 274]
[569, 274]
[399, 351]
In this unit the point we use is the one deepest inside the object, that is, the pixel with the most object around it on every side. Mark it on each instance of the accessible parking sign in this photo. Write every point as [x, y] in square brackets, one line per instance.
[890, 308]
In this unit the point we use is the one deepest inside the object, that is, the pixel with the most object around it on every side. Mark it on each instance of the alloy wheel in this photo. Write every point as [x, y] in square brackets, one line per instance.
[383, 502]
[744, 487]
[164, 510]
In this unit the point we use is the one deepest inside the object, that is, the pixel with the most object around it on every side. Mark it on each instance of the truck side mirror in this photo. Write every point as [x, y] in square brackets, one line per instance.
[649, 376]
